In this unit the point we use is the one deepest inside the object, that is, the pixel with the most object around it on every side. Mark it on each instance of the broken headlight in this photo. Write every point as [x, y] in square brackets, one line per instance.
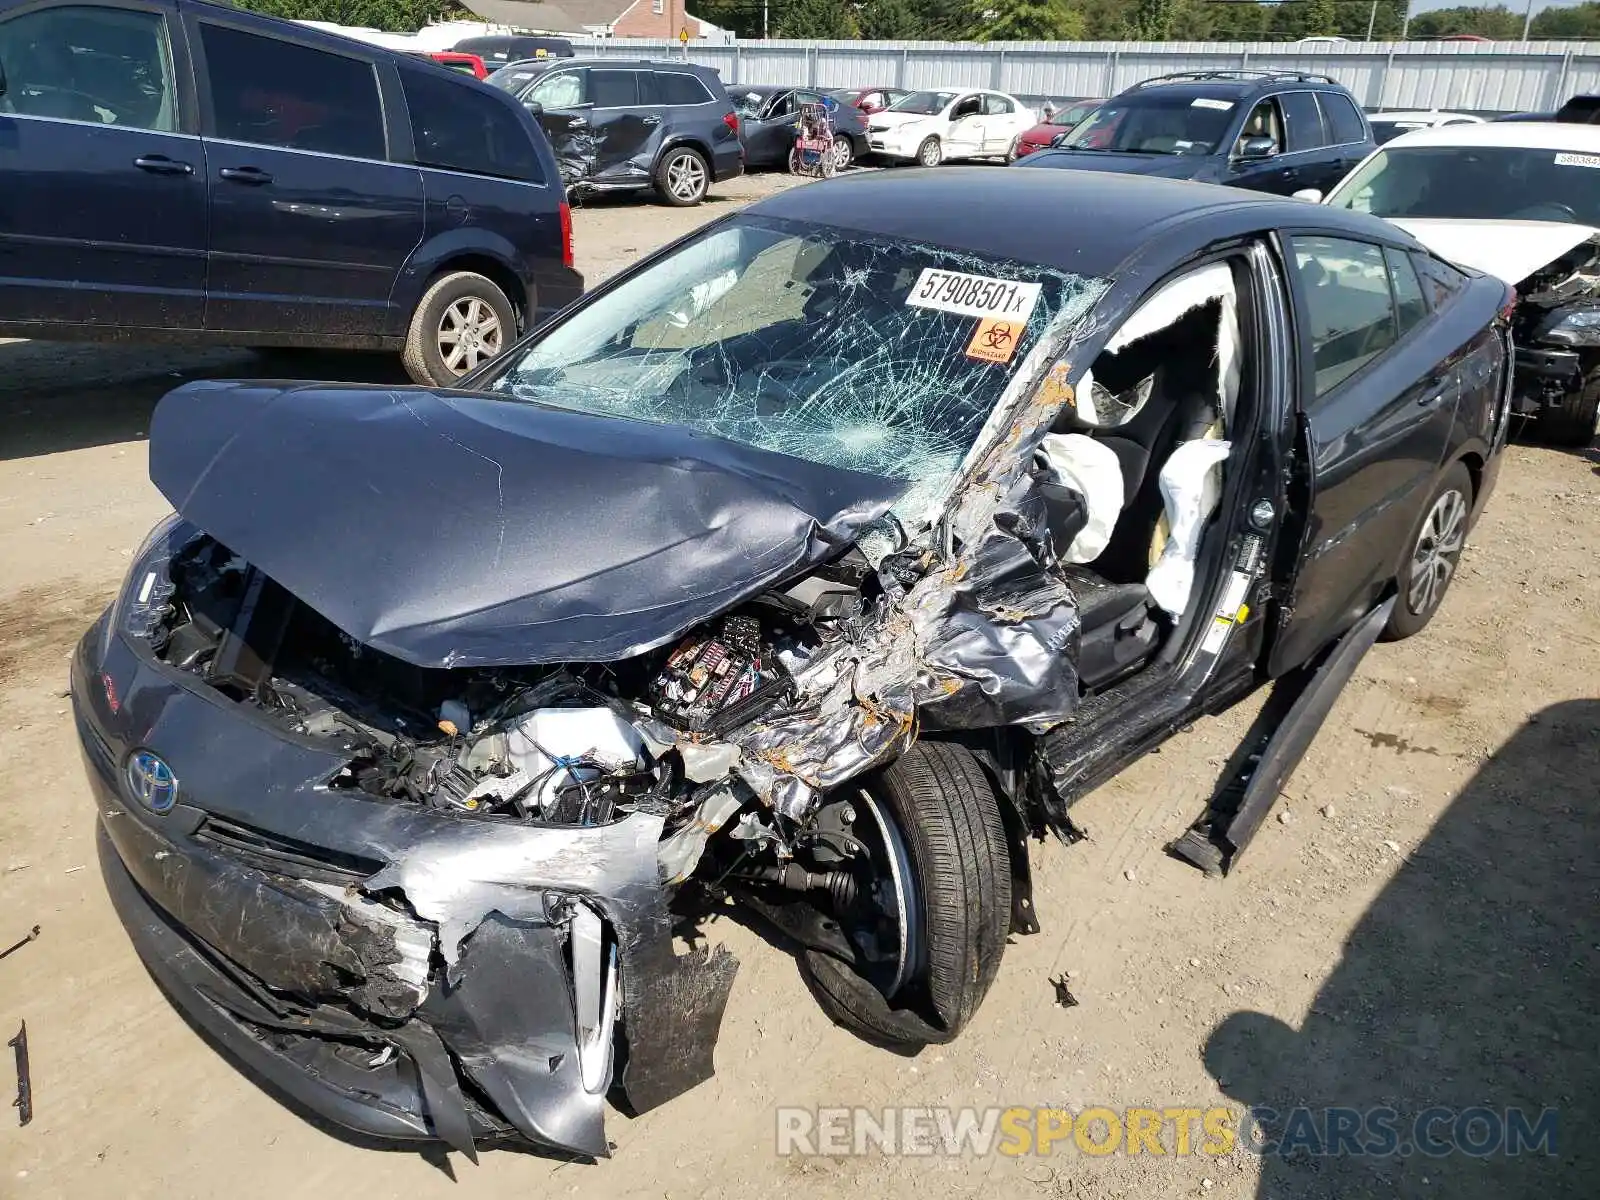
[144, 601]
[1572, 327]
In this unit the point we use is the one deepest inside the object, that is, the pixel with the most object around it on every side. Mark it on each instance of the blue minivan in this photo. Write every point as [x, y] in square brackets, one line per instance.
[173, 170]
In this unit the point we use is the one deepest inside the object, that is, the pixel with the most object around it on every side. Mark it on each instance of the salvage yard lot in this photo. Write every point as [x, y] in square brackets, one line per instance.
[1420, 926]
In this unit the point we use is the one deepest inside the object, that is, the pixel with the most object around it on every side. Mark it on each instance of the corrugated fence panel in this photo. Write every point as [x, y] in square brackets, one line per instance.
[1484, 77]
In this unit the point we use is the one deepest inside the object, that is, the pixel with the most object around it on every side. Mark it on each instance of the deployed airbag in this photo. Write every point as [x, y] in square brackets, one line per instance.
[1191, 487]
[1093, 470]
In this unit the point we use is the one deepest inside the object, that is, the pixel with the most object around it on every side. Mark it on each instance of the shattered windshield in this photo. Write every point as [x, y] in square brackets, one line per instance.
[749, 104]
[924, 103]
[1155, 124]
[870, 354]
[1496, 183]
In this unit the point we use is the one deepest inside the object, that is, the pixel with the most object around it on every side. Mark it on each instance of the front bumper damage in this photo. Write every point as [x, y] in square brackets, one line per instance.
[455, 1014]
[1543, 377]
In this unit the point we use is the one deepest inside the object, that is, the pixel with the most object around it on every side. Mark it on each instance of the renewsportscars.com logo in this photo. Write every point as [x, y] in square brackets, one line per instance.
[1178, 1131]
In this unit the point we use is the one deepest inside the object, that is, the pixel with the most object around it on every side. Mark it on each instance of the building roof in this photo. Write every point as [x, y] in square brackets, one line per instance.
[566, 16]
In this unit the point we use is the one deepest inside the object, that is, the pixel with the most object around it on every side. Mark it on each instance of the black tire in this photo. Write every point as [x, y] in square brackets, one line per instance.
[452, 298]
[1437, 540]
[682, 177]
[930, 153]
[1576, 420]
[1011, 154]
[949, 817]
[843, 153]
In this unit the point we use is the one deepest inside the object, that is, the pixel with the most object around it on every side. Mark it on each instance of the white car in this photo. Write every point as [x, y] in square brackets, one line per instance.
[1386, 126]
[931, 126]
[1521, 201]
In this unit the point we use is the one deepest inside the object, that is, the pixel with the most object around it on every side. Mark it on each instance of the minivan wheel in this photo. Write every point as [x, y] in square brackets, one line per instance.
[942, 895]
[1434, 554]
[930, 153]
[682, 178]
[463, 321]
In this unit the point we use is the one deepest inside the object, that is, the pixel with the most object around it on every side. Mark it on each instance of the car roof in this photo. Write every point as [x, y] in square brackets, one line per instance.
[658, 64]
[1085, 222]
[1528, 135]
[1421, 114]
[1230, 85]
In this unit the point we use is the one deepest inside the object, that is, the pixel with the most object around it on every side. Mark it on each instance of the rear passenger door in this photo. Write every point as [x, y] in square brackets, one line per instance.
[1307, 160]
[1349, 140]
[1378, 403]
[102, 173]
[626, 120]
[310, 224]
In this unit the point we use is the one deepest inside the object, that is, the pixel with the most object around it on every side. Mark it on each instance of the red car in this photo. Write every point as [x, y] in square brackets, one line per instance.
[1043, 134]
[868, 100]
[467, 64]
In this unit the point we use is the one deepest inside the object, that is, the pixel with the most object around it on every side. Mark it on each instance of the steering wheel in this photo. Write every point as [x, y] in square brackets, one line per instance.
[1533, 211]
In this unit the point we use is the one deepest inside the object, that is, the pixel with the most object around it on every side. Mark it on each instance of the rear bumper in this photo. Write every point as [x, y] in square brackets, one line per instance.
[1543, 377]
[280, 960]
[727, 161]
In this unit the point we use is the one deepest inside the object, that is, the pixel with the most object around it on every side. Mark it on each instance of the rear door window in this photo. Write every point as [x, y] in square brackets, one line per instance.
[104, 66]
[678, 87]
[1440, 280]
[613, 89]
[1303, 120]
[1350, 311]
[276, 93]
[1341, 118]
[458, 127]
[1410, 305]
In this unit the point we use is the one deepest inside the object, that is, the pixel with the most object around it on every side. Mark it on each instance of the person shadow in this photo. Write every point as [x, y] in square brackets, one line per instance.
[1467, 1003]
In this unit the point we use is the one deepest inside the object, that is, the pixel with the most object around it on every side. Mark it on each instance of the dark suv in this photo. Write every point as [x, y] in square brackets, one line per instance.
[1271, 131]
[182, 171]
[628, 126]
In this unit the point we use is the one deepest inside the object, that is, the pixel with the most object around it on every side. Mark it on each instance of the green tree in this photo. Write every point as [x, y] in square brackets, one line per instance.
[1026, 21]
[814, 20]
[1151, 21]
[1498, 22]
[394, 16]
[887, 20]
[1579, 21]
[1238, 20]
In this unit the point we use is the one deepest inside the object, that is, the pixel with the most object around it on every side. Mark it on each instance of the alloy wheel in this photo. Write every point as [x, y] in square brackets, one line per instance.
[686, 177]
[1433, 561]
[841, 153]
[469, 334]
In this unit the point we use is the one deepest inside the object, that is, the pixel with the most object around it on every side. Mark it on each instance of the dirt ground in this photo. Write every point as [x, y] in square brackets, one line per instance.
[1418, 925]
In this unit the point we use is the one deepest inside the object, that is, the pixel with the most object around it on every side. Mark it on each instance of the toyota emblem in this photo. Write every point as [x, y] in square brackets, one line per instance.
[151, 782]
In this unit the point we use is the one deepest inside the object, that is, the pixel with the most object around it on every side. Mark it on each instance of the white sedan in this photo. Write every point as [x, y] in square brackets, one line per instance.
[929, 127]
[1386, 126]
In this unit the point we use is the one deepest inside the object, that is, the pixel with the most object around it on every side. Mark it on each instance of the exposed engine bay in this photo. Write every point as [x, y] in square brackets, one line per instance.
[571, 744]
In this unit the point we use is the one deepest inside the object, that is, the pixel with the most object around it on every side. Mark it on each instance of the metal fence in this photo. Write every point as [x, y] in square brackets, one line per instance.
[1465, 76]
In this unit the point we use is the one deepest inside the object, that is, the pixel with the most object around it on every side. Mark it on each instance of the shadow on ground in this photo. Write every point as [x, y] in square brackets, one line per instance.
[57, 396]
[1472, 982]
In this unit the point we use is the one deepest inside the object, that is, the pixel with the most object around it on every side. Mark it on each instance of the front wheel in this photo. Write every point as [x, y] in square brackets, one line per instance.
[463, 321]
[1435, 553]
[930, 153]
[942, 902]
[683, 178]
[1576, 420]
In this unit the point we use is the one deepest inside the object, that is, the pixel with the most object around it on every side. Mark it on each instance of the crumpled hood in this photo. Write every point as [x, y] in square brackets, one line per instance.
[451, 529]
[1157, 166]
[1508, 250]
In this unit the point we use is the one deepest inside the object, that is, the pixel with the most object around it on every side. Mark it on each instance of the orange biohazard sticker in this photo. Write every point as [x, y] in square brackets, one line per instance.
[995, 340]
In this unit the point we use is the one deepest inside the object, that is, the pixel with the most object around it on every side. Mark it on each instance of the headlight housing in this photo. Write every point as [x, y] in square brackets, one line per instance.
[142, 602]
[1572, 327]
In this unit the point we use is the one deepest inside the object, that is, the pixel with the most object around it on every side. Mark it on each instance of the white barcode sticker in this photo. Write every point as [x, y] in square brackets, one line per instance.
[973, 295]
[1208, 102]
[1578, 160]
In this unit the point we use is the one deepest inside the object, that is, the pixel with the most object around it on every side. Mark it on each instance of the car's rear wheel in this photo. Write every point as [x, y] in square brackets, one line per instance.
[941, 902]
[930, 153]
[682, 177]
[843, 152]
[463, 321]
[1434, 555]
[1011, 154]
[1576, 420]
